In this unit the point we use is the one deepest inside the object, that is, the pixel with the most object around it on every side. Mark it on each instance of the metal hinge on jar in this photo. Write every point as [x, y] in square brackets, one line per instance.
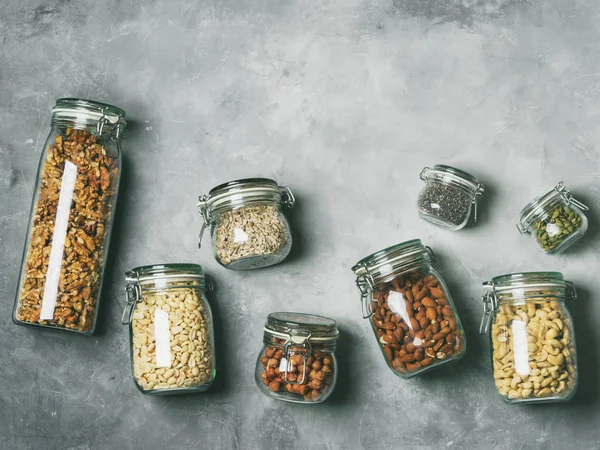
[490, 305]
[108, 119]
[206, 216]
[133, 294]
[568, 197]
[365, 285]
[297, 344]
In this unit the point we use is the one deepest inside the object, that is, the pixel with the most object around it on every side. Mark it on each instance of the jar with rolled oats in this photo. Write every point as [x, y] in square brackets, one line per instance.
[170, 328]
[247, 226]
[71, 217]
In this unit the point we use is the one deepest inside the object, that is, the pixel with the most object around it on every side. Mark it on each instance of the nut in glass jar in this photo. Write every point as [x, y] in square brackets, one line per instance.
[171, 329]
[297, 363]
[248, 228]
[531, 336]
[410, 309]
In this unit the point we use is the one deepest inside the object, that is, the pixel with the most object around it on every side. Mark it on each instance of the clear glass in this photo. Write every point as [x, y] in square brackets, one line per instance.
[415, 322]
[533, 349]
[558, 226]
[69, 229]
[445, 204]
[251, 236]
[299, 380]
[172, 339]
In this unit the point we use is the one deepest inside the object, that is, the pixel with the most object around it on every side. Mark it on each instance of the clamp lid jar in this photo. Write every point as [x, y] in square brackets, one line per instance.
[449, 196]
[410, 308]
[297, 363]
[531, 336]
[555, 219]
[248, 228]
[170, 328]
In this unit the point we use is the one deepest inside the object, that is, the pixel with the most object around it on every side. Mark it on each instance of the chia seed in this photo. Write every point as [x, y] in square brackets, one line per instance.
[445, 205]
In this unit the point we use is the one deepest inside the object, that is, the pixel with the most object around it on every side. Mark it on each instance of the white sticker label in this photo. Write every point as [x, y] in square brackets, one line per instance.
[519, 330]
[61, 223]
[283, 365]
[239, 236]
[162, 338]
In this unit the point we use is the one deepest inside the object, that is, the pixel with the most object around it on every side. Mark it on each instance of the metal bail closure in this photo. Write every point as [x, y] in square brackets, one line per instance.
[571, 290]
[568, 197]
[478, 195]
[203, 208]
[133, 294]
[297, 344]
[424, 173]
[107, 119]
[490, 305]
[365, 285]
[287, 197]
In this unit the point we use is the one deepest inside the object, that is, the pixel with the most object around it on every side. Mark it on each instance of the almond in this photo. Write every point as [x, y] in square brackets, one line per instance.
[421, 294]
[431, 314]
[436, 292]
[413, 367]
[429, 302]
[408, 358]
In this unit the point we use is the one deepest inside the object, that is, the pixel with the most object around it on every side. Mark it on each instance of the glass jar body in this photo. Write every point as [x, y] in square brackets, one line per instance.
[172, 340]
[69, 229]
[308, 377]
[533, 350]
[250, 236]
[415, 321]
[445, 204]
[557, 227]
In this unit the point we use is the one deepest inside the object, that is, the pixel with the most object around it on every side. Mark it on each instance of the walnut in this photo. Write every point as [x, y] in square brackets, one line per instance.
[94, 195]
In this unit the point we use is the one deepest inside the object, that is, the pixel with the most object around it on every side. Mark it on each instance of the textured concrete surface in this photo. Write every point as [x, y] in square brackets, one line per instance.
[344, 101]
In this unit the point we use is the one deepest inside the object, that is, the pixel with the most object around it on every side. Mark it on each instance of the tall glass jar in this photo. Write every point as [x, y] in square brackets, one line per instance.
[170, 329]
[555, 219]
[449, 196]
[297, 363]
[531, 336]
[410, 309]
[71, 217]
[247, 227]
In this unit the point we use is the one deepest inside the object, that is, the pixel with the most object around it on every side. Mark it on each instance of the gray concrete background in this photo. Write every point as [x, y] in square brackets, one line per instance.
[345, 101]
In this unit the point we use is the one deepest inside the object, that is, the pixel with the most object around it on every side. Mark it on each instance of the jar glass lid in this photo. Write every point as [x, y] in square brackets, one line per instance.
[518, 280]
[315, 328]
[542, 203]
[449, 174]
[385, 262]
[176, 271]
[82, 112]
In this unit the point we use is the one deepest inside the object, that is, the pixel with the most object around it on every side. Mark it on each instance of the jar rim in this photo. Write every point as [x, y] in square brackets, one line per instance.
[79, 110]
[453, 174]
[154, 272]
[312, 327]
[390, 259]
[530, 280]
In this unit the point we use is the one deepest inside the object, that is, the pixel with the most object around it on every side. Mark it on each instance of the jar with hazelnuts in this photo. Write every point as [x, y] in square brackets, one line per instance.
[410, 308]
[297, 363]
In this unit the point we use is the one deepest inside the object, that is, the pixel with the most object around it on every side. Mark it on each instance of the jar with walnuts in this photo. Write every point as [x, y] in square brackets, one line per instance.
[531, 336]
[170, 329]
[247, 226]
[71, 217]
[409, 308]
[297, 363]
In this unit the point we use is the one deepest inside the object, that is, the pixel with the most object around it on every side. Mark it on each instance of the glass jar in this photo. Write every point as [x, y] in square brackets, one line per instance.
[531, 338]
[247, 227]
[170, 329]
[410, 309]
[448, 196]
[297, 363]
[71, 217]
[555, 219]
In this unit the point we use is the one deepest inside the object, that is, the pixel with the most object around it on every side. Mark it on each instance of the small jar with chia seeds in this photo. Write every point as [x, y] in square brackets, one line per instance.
[555, 219]
[449, 196]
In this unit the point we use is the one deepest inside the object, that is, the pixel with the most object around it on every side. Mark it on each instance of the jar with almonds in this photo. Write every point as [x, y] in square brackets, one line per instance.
[170, 328]
[410, 309]
[71, 217]
[531, 336]
[247, 226]
[297, 363]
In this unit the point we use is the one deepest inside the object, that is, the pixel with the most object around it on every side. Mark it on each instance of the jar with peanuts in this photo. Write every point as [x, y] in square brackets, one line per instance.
[555, 219]
[247, 226]
[71, 217]
[297, 363]
[531, 336]
[410, 309]
[170, 328]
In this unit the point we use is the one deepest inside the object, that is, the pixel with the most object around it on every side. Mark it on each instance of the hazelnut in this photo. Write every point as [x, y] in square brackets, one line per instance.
[328, 360]
[274, 386]
[270, 351]
[317, 365]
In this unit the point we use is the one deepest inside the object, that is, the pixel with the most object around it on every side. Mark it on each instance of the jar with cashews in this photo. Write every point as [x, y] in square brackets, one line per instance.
[531, 336]
[171, 329]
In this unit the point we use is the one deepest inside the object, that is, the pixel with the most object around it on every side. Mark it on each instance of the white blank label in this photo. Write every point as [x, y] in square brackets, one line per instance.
[162, 338]
[58, 241]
